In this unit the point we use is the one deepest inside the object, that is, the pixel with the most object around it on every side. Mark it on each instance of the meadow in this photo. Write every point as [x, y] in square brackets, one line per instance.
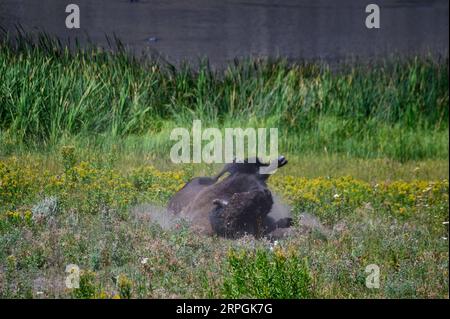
[85, 172]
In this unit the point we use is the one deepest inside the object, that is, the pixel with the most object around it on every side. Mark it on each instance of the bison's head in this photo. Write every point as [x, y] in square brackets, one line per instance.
[243, 214]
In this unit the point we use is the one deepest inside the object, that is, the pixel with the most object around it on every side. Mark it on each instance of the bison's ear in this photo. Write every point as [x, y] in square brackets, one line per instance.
[220, 202]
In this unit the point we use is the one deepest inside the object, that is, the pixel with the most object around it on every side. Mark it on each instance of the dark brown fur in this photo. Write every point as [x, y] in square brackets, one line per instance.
[237, 205]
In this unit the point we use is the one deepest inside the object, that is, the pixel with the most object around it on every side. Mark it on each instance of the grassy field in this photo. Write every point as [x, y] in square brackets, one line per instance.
[397, 108]
[85, 173]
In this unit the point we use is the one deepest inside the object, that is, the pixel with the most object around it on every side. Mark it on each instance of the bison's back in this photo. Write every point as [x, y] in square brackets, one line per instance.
[189, 191]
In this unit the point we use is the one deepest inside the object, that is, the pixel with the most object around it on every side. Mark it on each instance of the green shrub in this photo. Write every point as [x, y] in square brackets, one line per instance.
[125, 286]
[265, 274]
[87, 289]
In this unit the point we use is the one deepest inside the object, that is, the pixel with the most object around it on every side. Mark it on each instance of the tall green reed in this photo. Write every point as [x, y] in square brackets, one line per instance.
[395, 108]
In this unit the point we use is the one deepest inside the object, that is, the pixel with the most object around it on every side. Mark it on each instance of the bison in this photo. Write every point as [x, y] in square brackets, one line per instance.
[231, 207]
